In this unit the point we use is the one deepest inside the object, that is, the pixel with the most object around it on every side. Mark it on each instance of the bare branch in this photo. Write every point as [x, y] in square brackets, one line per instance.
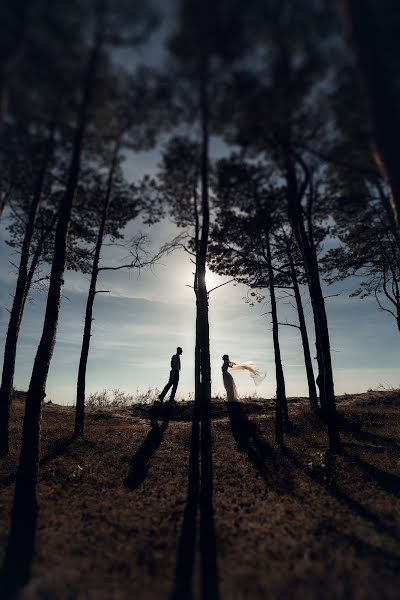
[385, 282]
[220, 285]
[382, 307]
[138, 254]
[180, 241]
[289, 325]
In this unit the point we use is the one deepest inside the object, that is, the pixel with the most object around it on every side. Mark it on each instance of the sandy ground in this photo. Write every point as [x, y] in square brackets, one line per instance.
[123, 514]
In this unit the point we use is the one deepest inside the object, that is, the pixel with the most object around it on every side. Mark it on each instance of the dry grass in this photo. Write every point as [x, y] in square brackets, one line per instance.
[288, 525]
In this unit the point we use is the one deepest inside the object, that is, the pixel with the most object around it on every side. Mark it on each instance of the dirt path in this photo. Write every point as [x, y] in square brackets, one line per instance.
[123, 514]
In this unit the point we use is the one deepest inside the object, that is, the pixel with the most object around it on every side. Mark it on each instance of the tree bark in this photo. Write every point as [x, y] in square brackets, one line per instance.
[312, 390]
[307, 249]
[11, 55]
[320, 377]
[21, 291]
[3, 203]
[35, 259]
[81, 382]
[202, 295]
[16, 568]
[207, 528]
[379, 92]
[310, 260]
[281, 415]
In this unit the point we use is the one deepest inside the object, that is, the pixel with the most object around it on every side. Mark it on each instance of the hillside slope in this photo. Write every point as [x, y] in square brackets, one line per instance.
[121, 516]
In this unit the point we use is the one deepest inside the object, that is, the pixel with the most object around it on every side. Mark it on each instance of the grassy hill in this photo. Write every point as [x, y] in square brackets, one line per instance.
[121, 515]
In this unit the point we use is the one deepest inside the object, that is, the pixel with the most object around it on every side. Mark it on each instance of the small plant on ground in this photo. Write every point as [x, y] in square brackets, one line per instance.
[322, 463]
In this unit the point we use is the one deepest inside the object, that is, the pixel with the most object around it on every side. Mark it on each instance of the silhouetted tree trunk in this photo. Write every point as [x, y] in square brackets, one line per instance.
[320, 377]
[294, 195]
[21, 291]
[3, 202]
[379, 92]
[309, 255]
[312, 390]
[9, 56]
[35, 259]
[281, 414]
[16, 568]
[197, 370]
[81, 383]
[202, 296]
[207, 530]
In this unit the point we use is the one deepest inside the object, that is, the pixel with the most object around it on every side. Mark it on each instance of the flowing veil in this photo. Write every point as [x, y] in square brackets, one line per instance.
[256, 373]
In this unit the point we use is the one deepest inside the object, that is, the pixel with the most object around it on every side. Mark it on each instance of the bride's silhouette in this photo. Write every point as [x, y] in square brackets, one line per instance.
[231, 391]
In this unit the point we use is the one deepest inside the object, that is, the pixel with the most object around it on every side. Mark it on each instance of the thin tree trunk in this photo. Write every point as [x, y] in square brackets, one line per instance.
[309, 255]
[16, 568]
[35, 260]
[11, 56]
[3, 203]
[281, 401]
[81, 382]
[202, 296]
[21, 291]
[379, 91]
[320, 377]
[207, 527]
[312, 390]
[197, 371]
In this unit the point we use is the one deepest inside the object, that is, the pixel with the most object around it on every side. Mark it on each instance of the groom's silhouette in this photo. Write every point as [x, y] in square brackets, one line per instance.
[173, 376]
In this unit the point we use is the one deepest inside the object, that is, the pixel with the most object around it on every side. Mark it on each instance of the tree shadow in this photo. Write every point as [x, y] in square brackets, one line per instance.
[139, 463]
[366, 549]
[185, 559]
[260, 453]
[16, 568]
[17, 564]
[199, 501]
[387, 481]
[208, 546]
[355, 429]
[334, 489]
[59, 448]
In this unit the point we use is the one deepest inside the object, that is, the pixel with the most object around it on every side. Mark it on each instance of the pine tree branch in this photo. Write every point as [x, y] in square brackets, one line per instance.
[289, 325]
[220, 285]
[382, 307]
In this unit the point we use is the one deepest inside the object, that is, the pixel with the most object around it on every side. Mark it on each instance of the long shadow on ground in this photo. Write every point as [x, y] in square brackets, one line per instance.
[389, 482]
[248, 440]
[60, 447]
[355, 429]
[139, 463]
[186, 553]
[208, 546]
[199, 501]
[263, 459]
[337, 492]
[260, 453]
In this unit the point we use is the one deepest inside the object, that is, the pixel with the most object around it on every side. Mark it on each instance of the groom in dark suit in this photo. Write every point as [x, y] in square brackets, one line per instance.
[173, 376]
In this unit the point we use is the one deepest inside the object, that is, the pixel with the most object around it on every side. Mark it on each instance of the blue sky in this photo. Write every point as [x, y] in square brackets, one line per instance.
[145, 316]
[141, 321]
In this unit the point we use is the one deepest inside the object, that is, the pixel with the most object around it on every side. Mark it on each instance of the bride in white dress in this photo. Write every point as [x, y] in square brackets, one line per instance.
[249, 367]
[231, 391]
